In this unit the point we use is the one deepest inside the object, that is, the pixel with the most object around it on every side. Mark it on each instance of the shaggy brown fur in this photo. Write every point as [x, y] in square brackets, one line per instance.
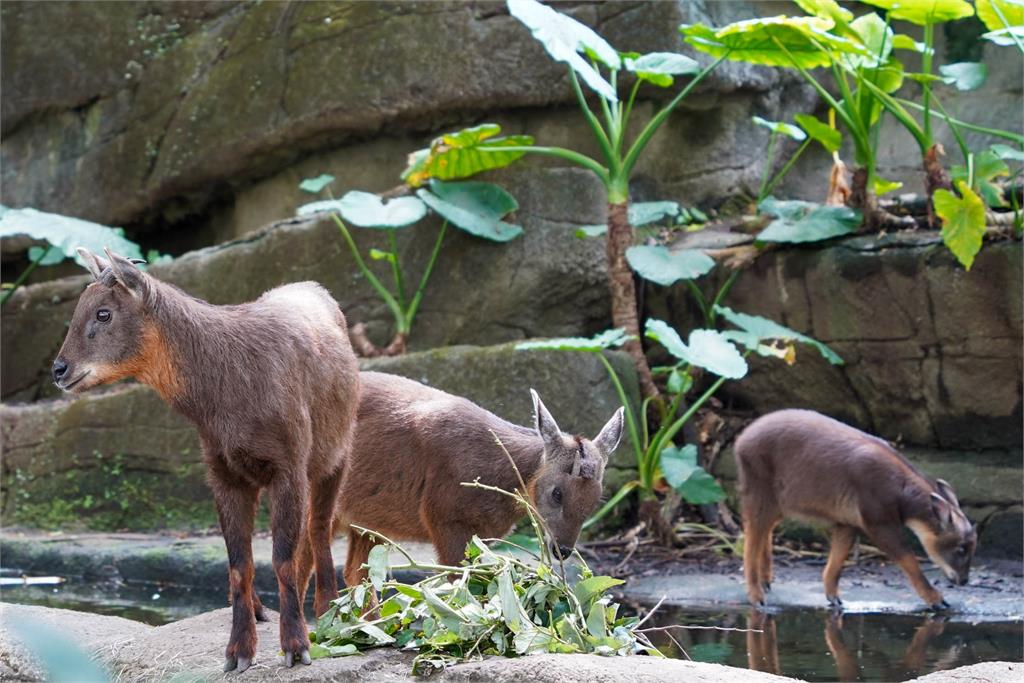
[415, 445]
[798, 463]
[272, 387]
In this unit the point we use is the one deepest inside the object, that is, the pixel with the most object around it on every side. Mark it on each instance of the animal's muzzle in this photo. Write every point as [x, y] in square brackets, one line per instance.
[60, 370]
[565, 550]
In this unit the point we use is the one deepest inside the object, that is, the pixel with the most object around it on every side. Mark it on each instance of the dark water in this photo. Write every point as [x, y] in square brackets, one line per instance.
[816, 646]
[806, 644]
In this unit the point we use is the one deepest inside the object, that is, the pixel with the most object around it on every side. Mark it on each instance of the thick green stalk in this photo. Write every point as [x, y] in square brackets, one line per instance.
[396, 270]
[625, 116]
[667, 436]
[410, 313]
[926, 65]
[24, 275]
[559, 152]
[392, 304]
[768, 164]
[595, 125]
[787, 167]
[627, 411]
[655, 123]
[994, 132]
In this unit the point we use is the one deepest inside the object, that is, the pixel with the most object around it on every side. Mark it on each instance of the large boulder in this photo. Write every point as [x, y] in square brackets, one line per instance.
[194, 102]
[121, 458]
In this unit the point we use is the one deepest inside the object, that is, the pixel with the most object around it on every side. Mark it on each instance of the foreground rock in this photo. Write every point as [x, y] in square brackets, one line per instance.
[193, 649]
[121, 458]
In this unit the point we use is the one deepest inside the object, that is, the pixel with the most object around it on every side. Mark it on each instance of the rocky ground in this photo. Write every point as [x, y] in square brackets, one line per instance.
[192, 650]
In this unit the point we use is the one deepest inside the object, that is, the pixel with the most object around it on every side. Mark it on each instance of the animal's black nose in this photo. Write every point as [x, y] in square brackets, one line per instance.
[962, 581]
[60, 368]
[565, 550]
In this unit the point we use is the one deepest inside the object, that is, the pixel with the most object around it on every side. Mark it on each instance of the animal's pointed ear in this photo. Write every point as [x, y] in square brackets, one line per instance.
[94, 263]
[946, 491]
[133, 279]
[942, 510]
[608, 440]
[545, 424]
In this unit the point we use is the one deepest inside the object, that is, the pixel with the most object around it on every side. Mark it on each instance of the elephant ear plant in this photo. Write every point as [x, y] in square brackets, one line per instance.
[477, 208]
[587, 54]
[62, 236]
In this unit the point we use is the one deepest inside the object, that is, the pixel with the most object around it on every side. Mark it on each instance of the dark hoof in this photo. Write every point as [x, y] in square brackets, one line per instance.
[261, 614]
[767, 585]
[835, 603]
[289, 658]
[940, 606]
[239, 664]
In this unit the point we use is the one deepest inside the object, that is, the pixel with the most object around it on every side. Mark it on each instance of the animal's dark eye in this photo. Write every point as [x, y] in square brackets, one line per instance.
[556, 495]
[103, 315]
[961, 550]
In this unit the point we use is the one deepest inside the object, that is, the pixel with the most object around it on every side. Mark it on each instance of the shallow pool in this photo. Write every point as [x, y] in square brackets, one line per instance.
[802, 643]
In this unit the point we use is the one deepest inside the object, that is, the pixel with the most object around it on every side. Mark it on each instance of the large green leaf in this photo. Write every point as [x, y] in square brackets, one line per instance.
[780, 127]
[758, 330]
[640, 213]
[680, 469]
[605, 340]
[1012, 11]
[707, 349]
[798, 221]
[378, 562]
[367, 210]
[474, 207]
[664, 267]
[565, 39]
[593, 588]
[830, 138]
[877, 39]
[964, 75]
[923, 12]
[826, 9]
[660, 68]
[772, 41]
[457, 155]
[1006, 152]
[987, 167]
[66, 234]
[963, 222]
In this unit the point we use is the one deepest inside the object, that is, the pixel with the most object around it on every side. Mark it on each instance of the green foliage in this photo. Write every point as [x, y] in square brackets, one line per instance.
[830, 138]
[64, 235]
[923, 12]
[707, 349]
[781, 128]
[773, 41]
[798, 221]
[1000, 14]
[690, 480]
[458, 155]
[757, 330]
[609, 339]
[963, 222]
[964, 75]
[660, 68]
[987, 166]
[474, 207]
[663, 266]
[495, 604]
[367, 210]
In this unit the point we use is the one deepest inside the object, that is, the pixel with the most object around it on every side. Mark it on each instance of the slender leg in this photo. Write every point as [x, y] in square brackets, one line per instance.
[358, 553]
[915, 656]
[258, 609]
[842, 540]
[766, 560]
[323, 504]
[450, 545]
[288, 507]
[236, 507]
[758, 521]
[889, 541]
[303, 569]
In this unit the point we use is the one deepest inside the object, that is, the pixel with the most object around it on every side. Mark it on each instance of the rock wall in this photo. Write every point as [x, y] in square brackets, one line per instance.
[120, 458]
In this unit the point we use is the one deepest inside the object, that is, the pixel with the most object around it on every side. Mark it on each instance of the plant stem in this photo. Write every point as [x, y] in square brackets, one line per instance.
[768, 165]
[396, 269]
[625, 116]
[410, 312]
[788, 166]
[698, 296]
[926, 65]
[652, 126]
[24, 275]
[726, 286]
[595, 125]
[627, 410]
[392, 304]
[994, 132]
[559, 152]
[669, 433]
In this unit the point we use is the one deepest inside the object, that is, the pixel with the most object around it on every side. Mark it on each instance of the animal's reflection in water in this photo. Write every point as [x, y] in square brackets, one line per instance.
[763, 648]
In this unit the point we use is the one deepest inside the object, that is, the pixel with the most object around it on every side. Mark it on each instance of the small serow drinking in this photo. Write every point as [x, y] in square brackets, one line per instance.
[798, 463]
[416, 445]
[272, 387]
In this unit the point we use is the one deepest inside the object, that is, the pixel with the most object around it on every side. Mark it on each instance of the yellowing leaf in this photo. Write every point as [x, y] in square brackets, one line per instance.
[963, 222]
[772, 41]
[923, 12]
[458, 155]
[989, 11]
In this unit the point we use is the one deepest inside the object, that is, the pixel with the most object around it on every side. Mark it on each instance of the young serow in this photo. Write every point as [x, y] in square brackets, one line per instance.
[272, 387]
[414, 447]
[798, 463]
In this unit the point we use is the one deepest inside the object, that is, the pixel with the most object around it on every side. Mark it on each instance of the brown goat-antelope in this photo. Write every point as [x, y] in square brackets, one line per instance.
[798, 463]
[273, 389]
[415, 445]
